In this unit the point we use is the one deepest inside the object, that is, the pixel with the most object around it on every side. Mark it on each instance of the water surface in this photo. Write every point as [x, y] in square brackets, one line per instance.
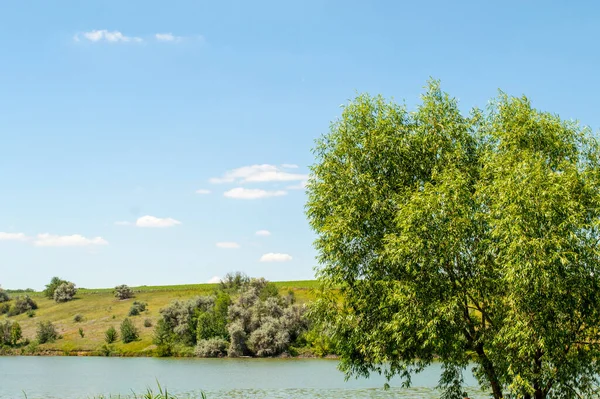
[83, 377]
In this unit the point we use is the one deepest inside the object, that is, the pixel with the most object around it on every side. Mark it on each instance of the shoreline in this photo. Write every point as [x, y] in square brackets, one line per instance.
[96, 353]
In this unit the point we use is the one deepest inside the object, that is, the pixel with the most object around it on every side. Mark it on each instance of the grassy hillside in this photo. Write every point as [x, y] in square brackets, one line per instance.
[100, 310]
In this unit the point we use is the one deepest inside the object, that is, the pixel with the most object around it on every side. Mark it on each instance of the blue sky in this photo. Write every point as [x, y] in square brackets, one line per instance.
[114, 114]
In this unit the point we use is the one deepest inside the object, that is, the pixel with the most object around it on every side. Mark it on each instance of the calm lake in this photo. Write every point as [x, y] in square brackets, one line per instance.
[83, 377]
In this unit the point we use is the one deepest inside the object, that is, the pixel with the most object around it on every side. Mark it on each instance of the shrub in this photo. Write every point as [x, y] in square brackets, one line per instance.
[319, 342]
[212, 347]
[234, 281]
[78, 318]
[262, 323]
[179, 320]
[129, 332]
[52, 286]
[22, 305]
[65, 292]
[111, 335]
[137, 308]
[269, 339]
[104, 350]
[46, 332]
[4, 296]
[30, 313]
[10, 333]
[237, 340]
[268, 291]
[4, 308]
[147, 323]
[81, 334]
[123, 292]
[213, 323]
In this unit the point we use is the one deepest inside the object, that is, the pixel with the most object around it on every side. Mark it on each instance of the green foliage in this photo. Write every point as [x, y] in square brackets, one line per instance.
[137, 308]
[4, 296]
[52, 286]
[460, 239]
[238, 339]
[81, 333]
[268, 291]
[179, 321]
[258, 322]
[21, 305]
[212, 347]
[263, 327]
[46, 332]
[15, 333]
[123, 292]
[64, 292]
[111, 335]
[10, 333]
[232, 282]
[147, 323]
[163, 335]
[129, 332]
[78, 318]
[4, 308]
[319, 343]
[105, 350]
[212, 323]
[30, 313]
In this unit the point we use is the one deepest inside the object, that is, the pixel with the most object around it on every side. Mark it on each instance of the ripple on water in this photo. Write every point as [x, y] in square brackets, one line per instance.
[308, 393]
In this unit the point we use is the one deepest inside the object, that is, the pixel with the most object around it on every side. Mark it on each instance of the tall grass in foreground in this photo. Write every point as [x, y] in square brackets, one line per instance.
[149, 394]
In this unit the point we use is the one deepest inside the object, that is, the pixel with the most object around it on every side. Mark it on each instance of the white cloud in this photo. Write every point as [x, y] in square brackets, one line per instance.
[214, 280]
[289, 166]
[228, 245]
[12, 236]
[75, 240]
[299, 186]
[123, 223]
[263, 233]
[153, 221]
[275, 257]
[249, 193]
[203, 191]
[167, 37]
[104, 35]
[257, 174]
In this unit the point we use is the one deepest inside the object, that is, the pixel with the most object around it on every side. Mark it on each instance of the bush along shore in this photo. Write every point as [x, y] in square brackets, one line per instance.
[240, 316]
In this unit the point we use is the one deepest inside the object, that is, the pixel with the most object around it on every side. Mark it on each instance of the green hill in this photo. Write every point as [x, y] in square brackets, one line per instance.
[100, 310]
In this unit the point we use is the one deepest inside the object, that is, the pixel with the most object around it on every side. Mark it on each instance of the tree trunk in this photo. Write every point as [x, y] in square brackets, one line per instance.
[488, 367]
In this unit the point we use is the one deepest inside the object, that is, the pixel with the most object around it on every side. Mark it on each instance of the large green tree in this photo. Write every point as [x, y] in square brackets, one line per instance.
[468, 239]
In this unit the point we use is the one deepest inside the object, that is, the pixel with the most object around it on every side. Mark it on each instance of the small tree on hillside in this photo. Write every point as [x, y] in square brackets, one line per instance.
[46, 332]
[4, 296]
[65, 292]
[21, 305]
[137, 308]
[52, 286]
[129, 332]
[123, 292]
[111, 335]
[10, 333]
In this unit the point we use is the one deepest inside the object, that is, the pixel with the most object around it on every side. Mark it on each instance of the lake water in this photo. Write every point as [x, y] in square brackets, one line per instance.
[84, 377]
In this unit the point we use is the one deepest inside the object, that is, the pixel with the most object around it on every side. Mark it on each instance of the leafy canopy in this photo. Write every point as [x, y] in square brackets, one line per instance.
[472, 239]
